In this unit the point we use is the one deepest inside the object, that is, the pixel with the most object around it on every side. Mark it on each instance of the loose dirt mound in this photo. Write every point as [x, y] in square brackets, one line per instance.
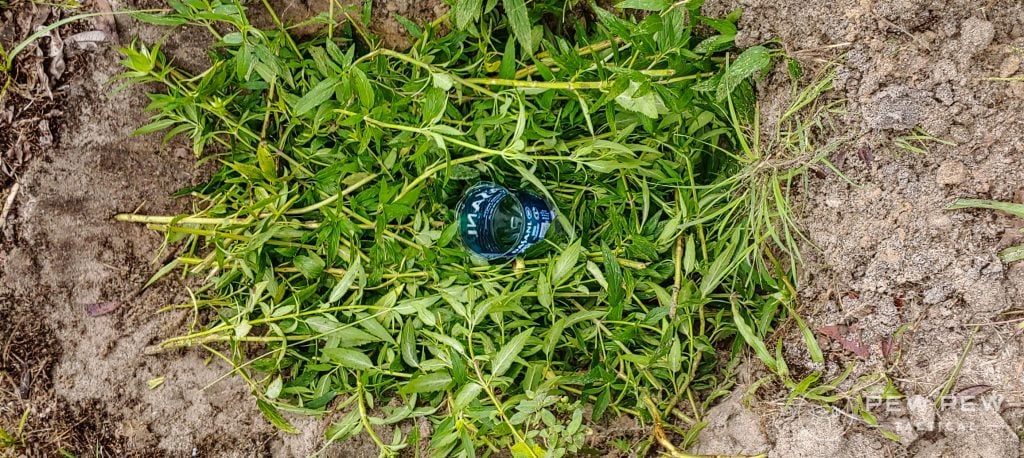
[896, 277]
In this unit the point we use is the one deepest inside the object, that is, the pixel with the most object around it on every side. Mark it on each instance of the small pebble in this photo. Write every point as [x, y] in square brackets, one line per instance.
[975, 35]
[951, 173]
[935, 295]
[1009, 66]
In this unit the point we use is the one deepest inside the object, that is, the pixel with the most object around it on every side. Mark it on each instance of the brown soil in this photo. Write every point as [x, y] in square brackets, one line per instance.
[884, 259]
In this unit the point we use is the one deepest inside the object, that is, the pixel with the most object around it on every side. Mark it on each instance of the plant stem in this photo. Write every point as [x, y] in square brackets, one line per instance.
[567, 85]
[329, 200]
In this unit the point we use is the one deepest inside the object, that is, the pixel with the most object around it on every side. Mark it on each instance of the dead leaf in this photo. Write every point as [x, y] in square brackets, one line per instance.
[887, 347]
[102, 308]
[88, 40]
[25, 387]
[45, 134]
[105, 22]
[842, 335]
[865, 154]
[56, 66]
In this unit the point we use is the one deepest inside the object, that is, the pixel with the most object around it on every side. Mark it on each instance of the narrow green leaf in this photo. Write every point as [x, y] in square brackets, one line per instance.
[553, 336]
[266, 162]
[274, 388]
[503, 359]
[363, 87]
[600, 405]
[519, 21]
[616, 291]
[565, 263]
[348, 358]
[595, 272]
[675, 356]
[466, 11]
[310, 266]
[810, 340]
[274, 417]
[690, 255]
[646, 5]
[749, 62]
[544, 294]
[755, 342]
[467, 394]
[320, 93]
[1012, 254]
[434, 381]
[348, 426]
[162, 272]
[355, 270]
[1008, 207]
[407, 341]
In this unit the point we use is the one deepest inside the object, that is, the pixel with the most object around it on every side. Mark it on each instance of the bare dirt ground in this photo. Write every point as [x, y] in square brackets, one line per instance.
[902, 286]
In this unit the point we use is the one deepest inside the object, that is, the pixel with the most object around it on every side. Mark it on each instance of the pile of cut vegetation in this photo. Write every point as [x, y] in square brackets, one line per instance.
[332, 277]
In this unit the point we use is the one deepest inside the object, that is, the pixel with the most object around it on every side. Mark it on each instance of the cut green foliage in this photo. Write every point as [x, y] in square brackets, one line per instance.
[1011, 254]
[332, 275]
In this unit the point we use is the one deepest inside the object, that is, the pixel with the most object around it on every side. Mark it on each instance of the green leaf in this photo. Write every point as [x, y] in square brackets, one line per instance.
[503, 359]
[407, 340]
[162, 272]
[354, 271]
[755, 342]
[266, 161]
[442, 81]
[467, 394]
[749, 62]
[466, 11]
[616, 291]
[233, 38]
[595, 272]
[646, 5]
[810, 340]
[544, 294]
[1012, 254]
[519, 22]
[310, 266]
[320, 93]
[348, 358]
[507, 69]
[348, 426]
[1011, 208]
[690, 255]
[274, 417]
[675, 356]
[796, 71]
[274, 388]
[554, 335]
[600, 405]
[565, 263]
[522, 450]
[434, 381]
[649, 104]
[363, 87]
[155, 126]
[160, 19]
